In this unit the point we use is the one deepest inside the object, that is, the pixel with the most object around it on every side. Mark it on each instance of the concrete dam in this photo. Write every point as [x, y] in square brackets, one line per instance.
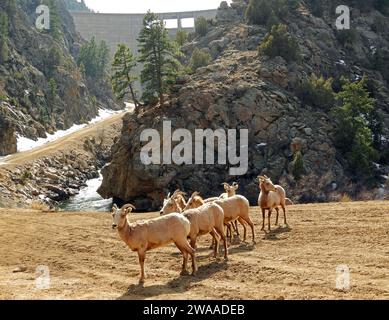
[125, 28]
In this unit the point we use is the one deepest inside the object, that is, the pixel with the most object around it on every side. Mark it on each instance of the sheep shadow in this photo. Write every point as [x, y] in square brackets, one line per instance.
[178, 285]
[272, 235]
[243, 247]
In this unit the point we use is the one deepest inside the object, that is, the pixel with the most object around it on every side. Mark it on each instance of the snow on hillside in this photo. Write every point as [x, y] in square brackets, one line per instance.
[25, 144]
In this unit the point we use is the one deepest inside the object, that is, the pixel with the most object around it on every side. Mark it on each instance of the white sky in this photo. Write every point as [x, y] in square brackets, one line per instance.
[141, 6]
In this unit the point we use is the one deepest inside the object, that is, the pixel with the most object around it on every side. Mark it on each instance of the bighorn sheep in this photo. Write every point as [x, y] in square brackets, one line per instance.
[237, 208]
[195, 201]
[174, 203]
[207, 219]
[143, 236]
[230, 190]
[271, 197]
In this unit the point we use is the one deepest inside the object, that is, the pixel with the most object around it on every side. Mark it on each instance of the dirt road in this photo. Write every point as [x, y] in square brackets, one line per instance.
[70, 140]
[86, 259]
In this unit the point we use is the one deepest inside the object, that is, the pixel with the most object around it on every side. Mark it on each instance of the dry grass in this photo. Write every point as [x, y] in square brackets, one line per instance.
[345, 198]
[87, 260]
[39, 206]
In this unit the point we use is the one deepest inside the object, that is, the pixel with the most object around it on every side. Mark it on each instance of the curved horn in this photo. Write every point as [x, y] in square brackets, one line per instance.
[177, 193]
[115, 206]
[125, 207]
[234, 184]
[194, 194]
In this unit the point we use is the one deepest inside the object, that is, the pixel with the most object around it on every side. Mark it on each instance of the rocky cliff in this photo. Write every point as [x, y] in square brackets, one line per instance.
[240, 89]
[41, 87]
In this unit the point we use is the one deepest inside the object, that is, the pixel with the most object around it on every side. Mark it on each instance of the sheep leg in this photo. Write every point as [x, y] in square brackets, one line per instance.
[244, 228]
[142, 257]
[268, 218]
[263, 219]
[194, 263]
[220, 231]
[185, 256]
[284, 209]
[278, 213]
[229, 233]
[251, 224]
[189, 248]
[213, 244]
[216, 239]
[235, 226]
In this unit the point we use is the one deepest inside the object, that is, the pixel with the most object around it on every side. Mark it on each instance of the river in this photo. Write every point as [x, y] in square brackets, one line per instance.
[88, 199]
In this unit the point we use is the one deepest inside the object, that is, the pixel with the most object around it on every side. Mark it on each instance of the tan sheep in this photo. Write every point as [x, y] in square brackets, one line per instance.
[194, 201]
[271, 197]
[174, 203]
[230, 190]
[207, 219]
[237, 208]
[143, 236]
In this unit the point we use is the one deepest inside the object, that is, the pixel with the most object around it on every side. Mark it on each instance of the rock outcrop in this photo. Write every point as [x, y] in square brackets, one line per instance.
[241, 90]
[40, 82]
[7, 134]
[58, 175]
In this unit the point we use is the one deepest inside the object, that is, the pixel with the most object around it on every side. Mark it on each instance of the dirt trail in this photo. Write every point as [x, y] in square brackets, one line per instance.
[87, 260]
[66, 141]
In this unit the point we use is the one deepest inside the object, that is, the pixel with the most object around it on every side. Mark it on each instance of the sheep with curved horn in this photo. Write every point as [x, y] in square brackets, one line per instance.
[143, 236]
[271, 197]
[174, 203]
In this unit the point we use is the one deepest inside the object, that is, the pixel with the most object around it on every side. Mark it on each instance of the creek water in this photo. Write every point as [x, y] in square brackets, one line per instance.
[88, 199]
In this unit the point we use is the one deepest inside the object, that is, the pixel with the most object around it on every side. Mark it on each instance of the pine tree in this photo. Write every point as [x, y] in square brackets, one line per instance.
[123, 78]
[159, 57]
[94, 58]
[298, 165]
[201, 26]
[181, 37]
[55, 20]
[353, 135]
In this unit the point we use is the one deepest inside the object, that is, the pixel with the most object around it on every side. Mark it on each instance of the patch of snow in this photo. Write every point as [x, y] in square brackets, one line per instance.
[25, 144]
[377, 165]
[3, 160]
[341, 62]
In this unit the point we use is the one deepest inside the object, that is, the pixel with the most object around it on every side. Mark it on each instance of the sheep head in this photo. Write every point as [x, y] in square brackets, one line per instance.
[119, 216]
[266, 184]
[170, 205]
[194, 201]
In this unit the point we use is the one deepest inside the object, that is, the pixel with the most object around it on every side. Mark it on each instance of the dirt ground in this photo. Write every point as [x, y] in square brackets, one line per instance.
[87, 260]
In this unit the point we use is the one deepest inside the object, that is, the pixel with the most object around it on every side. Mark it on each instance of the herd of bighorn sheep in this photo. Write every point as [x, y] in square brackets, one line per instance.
[182, 220]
